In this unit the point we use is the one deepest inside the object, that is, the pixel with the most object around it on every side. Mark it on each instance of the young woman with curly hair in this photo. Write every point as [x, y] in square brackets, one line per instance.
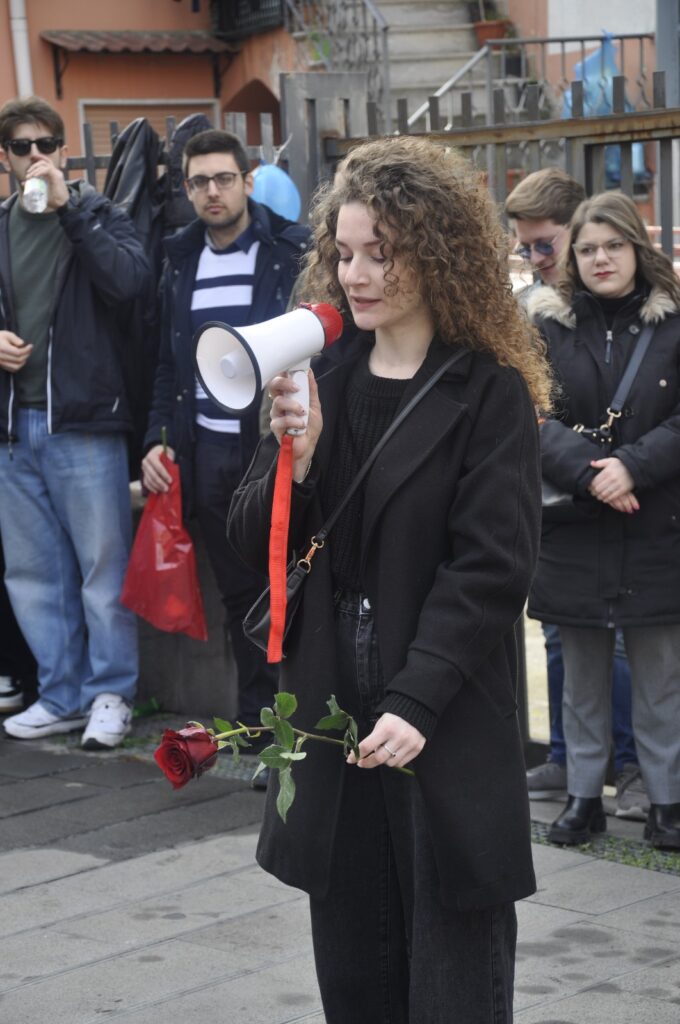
[408, 613]
[618, 564]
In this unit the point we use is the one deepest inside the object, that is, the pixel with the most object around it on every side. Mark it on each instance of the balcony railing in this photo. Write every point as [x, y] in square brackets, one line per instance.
[346, 36]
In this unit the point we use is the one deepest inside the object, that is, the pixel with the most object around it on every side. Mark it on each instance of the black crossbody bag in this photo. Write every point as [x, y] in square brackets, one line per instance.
[559, 505]
[257, 621]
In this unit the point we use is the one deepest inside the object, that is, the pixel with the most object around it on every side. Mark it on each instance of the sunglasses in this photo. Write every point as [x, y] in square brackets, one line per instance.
[22, 147]
[542, 247]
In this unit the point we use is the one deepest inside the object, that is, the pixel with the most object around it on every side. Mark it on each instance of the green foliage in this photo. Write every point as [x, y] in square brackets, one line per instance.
[285, 704]
[339, 719]
[222, 725]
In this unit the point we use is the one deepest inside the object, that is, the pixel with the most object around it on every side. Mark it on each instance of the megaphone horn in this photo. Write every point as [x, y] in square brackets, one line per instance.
[233, 364]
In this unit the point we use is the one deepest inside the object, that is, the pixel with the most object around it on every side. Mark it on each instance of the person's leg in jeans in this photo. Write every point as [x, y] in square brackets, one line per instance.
[217, 475]
[548, 781]
[87, 476]
[17, 664]
[65, 519]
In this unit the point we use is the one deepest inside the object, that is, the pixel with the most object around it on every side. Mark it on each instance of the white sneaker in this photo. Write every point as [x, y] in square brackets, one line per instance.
[37, 721]
[11, 697]
[109, 723]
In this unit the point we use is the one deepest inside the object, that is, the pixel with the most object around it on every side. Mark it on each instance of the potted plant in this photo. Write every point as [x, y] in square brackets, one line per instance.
[487, 21]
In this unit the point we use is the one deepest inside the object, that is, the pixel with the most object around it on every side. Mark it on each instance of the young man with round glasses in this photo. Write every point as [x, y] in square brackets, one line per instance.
[540, 209]
[236, 263]
[64, 495]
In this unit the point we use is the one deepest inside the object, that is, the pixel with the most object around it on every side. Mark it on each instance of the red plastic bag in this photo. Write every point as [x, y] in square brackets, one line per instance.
[161, 582]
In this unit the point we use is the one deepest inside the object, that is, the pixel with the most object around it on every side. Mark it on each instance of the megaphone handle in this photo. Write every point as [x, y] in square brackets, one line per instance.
[299, 375]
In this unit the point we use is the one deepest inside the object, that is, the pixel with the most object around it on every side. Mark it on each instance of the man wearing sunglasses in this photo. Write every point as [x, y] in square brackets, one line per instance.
[236, 263]
[64, 495]
[540, 209]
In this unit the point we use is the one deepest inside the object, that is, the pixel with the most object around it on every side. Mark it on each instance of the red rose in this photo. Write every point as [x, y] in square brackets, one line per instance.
[186, 754]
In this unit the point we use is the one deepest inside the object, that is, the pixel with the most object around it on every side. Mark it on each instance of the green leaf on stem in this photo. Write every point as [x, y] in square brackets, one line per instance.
[222, 725]
[336, 721]
[236, 754]
[267, 717]
[283, 731]
[285, 704]
[286, 793]
[272, 756]
[351, 738]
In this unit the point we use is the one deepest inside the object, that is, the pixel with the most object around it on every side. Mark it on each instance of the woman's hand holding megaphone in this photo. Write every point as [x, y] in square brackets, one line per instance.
[287, 414]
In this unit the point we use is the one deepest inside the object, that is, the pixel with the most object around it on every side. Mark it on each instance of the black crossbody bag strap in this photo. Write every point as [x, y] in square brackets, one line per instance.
[321, 534]
[631, 372]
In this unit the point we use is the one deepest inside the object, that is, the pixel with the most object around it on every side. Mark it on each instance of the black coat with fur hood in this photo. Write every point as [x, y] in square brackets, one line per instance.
[613, 569]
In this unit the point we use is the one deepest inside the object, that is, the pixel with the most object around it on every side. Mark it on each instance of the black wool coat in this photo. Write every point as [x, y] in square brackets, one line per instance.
[612, 568]
[449, 540]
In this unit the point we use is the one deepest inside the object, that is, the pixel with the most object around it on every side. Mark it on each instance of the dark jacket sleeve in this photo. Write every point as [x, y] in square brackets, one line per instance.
[566, 456]
[655, 457]
[106, 244]
[494, 526]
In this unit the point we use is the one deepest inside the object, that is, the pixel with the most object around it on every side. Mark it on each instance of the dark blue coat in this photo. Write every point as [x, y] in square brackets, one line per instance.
[104, 268]
[282, 245]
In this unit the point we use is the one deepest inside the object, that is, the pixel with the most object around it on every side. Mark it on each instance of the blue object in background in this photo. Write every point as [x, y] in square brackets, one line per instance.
[596, 72]
[277, 190]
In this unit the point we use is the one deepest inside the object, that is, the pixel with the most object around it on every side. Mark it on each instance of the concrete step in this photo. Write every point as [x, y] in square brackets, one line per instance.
[409, 72]
[423, 12]
[427, 40]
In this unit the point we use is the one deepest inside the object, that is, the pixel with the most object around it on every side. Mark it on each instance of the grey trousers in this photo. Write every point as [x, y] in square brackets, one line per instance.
[654, 658]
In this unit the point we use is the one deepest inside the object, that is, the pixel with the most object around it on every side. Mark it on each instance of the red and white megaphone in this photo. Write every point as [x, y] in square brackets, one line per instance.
[233, 365]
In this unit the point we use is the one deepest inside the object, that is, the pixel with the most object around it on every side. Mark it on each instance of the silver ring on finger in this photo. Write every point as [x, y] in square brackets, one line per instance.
[392, 753]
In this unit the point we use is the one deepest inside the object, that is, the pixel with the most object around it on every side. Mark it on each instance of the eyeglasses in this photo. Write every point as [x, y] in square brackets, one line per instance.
[46, 144]
[541, 246]
[612, 248]
[224, 181]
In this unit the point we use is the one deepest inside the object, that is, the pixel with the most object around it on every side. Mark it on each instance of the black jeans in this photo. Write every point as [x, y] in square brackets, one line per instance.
[386, 950]
[217, 475]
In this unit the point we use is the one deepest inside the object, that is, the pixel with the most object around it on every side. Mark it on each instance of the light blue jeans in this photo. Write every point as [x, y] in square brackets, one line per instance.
[66, 531]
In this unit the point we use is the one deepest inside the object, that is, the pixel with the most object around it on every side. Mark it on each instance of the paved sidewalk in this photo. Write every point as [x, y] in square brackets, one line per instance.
[123, 900]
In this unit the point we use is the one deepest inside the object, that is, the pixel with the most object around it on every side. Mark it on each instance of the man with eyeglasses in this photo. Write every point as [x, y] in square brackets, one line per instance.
[236, 263]
[64, 495]
[540, 209]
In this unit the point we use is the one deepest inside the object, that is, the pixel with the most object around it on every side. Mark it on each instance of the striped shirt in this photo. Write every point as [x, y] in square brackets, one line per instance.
[223, 290]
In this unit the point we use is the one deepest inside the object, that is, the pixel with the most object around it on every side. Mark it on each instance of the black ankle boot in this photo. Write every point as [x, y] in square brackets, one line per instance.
[582, 816]
[663, 826]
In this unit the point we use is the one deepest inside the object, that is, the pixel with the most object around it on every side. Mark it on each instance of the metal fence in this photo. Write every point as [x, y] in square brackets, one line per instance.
[92, 165]
[581, 145]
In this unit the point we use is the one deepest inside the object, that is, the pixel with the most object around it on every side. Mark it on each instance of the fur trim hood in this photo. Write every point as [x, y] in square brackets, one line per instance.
[548, 304]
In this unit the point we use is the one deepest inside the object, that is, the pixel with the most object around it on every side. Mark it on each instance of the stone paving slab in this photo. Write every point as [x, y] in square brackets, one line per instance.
[175, 914]
[198, 820]
[127, 883]
[599, 886]
[285, 993]
[36, 794]
[578, 955]
[20, 762]
[598, 1007]
[24, 868]
[657, 918]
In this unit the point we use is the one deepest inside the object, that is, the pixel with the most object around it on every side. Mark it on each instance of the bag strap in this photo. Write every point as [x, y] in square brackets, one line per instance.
[631, 371]
[320, 536]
